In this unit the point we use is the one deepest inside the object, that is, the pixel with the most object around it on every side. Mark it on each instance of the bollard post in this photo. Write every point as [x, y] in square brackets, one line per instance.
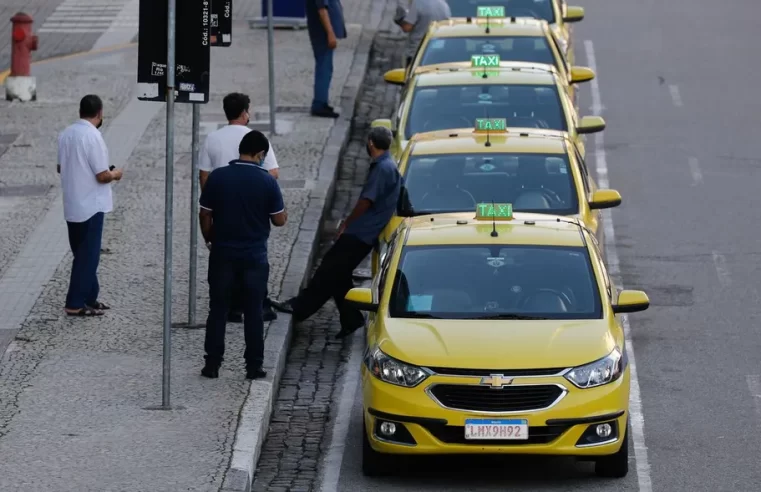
[192, 270]
[20, 85]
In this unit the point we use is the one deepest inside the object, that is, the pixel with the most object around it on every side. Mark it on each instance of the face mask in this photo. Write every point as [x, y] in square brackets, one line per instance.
[369, 151]
[100, 123]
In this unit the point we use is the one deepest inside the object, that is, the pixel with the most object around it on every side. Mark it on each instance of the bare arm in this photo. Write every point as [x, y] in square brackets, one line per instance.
[362, 206]
[204, 217]
[406, 26]
[325, 21]
[279, 219]
[202, 177]
[109, 176]
[275, 173]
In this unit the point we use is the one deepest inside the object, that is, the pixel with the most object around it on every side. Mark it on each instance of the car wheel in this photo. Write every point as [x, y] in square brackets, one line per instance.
[615, 465]
[374, 464]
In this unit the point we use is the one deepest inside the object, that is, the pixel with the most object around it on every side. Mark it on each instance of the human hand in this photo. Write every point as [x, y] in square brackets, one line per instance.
[117, 174]
[332, 41]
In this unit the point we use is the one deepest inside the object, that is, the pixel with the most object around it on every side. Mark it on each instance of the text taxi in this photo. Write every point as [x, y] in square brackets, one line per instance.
[538, 171]
[454, 95]
[495, 335]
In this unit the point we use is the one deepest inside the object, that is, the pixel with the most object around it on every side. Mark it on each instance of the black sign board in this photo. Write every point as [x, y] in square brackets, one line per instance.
[221, 22]
[192, 54]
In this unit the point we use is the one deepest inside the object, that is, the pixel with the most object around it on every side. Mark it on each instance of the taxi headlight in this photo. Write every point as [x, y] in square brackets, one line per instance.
[392, 371]
[597, 373]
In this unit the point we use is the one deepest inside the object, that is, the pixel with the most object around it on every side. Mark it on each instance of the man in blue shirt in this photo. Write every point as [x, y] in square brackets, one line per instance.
[325, 23]
[238, 204]
[356, 238]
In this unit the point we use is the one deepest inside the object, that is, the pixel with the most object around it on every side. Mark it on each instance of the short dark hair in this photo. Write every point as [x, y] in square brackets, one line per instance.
[253, 143]
[235, 104]
[381, 137]
[90, 106]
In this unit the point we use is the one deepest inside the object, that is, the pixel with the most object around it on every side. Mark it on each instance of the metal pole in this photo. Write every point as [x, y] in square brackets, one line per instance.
[271, 61]
[193, 220]
[168, 201]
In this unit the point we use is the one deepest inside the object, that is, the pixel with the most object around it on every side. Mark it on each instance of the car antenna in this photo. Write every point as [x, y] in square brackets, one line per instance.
[494, 220]
[487, 23]
[488, 142]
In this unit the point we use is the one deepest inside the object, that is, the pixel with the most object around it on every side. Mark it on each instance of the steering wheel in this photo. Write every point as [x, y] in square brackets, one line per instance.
[549, 194]
[467, 122]
[559, 294]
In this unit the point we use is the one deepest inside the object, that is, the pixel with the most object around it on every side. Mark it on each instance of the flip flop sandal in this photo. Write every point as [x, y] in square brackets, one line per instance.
[85, 312]
[98, 306]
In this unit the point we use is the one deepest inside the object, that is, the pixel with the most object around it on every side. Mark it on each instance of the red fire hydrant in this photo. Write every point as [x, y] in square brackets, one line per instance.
[20, 84]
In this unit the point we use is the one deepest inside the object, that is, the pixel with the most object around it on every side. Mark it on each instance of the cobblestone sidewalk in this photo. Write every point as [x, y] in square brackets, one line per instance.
[73, 393]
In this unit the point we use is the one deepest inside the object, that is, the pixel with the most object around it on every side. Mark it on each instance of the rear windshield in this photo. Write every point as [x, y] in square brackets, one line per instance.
[538, 9]
[532, 49]
[459, 106]
[540, 183]
[495, 282]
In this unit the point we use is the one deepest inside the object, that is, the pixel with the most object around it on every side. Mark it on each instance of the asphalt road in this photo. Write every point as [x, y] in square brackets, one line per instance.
[678, 86]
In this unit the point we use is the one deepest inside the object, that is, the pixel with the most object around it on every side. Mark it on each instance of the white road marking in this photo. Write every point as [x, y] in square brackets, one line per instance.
[697, 176]
[331, 467]
[675, 96]
[720, 263]
[78, 17]
[754, 386]
[635, 401]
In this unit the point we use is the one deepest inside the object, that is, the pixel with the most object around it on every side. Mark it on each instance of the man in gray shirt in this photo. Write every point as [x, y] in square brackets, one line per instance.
[418, 18]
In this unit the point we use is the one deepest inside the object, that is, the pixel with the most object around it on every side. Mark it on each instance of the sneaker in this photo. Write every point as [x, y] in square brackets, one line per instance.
[283, 306]
[210, 371]
[325, 112]
[256, 373]
[268, 314]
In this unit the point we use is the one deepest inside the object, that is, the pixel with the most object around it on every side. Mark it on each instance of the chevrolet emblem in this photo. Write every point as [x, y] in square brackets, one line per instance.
[496, 381]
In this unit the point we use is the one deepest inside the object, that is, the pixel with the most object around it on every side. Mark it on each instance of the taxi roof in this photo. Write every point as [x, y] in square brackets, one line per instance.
[465, 140]
[524, 229]
[516, 26]
[461, 73]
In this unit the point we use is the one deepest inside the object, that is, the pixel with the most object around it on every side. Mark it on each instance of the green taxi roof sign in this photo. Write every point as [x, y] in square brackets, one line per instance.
[484, 61]
[494, 211]
[490, 11]
[491, 125]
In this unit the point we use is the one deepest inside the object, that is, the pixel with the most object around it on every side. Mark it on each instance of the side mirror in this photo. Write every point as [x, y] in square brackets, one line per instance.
[403, 205]
[631, 301]
[605, 199]
[362, 299]
[581, 74]
[591, 124]
[573, 14]
[396, 76]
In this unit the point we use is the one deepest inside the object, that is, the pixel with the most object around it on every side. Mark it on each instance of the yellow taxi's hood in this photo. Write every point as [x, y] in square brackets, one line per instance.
[496, 344]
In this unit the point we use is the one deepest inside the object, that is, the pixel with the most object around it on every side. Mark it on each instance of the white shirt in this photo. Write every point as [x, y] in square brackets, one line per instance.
[221, 147]
[82, 154]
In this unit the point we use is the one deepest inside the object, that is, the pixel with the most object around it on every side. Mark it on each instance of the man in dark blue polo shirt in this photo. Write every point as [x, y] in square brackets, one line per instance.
[357, 236]
[238, 204]
[325, 23]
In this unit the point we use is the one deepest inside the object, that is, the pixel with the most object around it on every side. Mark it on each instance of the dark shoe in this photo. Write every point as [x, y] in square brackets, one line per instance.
[234, 317]
[256, 373]
[283, 306]
[345, 332]
[325, 112]
[210, 371]
[97, 305]
[85, 311]
[268, 314]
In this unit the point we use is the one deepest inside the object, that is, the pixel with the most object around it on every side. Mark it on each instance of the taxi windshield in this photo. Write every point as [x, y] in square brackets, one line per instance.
[458, 106]
[495, 282]
[534, 49]
[538, 9]
[539, 183]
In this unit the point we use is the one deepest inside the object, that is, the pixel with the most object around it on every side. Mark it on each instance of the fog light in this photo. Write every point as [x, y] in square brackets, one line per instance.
[603, 430]
[387, 428]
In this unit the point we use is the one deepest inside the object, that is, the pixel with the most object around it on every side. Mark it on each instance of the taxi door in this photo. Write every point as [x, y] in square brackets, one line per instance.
[378, 288]
[592, 218]
[577, 138]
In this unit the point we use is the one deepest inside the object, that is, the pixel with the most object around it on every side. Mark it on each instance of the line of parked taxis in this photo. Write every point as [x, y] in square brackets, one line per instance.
[492, 325]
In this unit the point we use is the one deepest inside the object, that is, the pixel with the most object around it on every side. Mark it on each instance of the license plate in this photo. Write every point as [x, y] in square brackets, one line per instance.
[496, 429]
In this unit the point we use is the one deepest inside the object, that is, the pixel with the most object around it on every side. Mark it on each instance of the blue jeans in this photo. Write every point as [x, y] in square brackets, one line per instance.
[323, 73]
[227, 274]
[85, 240]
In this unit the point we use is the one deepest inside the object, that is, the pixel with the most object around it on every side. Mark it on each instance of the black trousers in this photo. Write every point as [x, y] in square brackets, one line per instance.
[237, 301]
[85, 241]
[227, 275]
[333, 278]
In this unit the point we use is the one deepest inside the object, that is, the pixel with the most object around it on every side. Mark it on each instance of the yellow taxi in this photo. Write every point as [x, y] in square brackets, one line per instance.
[538, 171]
[556, 12]
[453, 95]
[514, 39]
[495, 335]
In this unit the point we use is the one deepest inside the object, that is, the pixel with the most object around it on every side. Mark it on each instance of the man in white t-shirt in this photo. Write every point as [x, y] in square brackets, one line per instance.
[85, 182]
[221, 147]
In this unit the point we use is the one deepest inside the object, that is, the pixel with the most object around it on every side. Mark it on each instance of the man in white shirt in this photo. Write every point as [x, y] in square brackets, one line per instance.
[417, 20]
[219, 149]
[85, 181]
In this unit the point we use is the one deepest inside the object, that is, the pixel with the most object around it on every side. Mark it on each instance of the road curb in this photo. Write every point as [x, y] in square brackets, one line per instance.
[254, 417]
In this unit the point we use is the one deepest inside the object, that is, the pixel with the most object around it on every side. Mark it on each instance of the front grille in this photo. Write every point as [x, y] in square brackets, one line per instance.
[486, 399]
[452, 434]
[511, 373]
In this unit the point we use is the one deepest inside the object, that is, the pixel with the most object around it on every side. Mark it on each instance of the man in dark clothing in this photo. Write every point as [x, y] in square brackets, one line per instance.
[325, 23]
[357, 236]
[238, 204]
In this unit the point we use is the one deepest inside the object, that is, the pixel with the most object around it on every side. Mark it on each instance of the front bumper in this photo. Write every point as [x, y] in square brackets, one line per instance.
[425, 426]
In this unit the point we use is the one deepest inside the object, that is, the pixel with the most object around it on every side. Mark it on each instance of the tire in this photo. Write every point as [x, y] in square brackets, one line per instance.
[616, 465]
[374, 464]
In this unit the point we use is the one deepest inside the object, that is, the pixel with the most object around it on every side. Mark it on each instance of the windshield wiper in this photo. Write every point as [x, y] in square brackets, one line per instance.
[509, 316]
[415, 314]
